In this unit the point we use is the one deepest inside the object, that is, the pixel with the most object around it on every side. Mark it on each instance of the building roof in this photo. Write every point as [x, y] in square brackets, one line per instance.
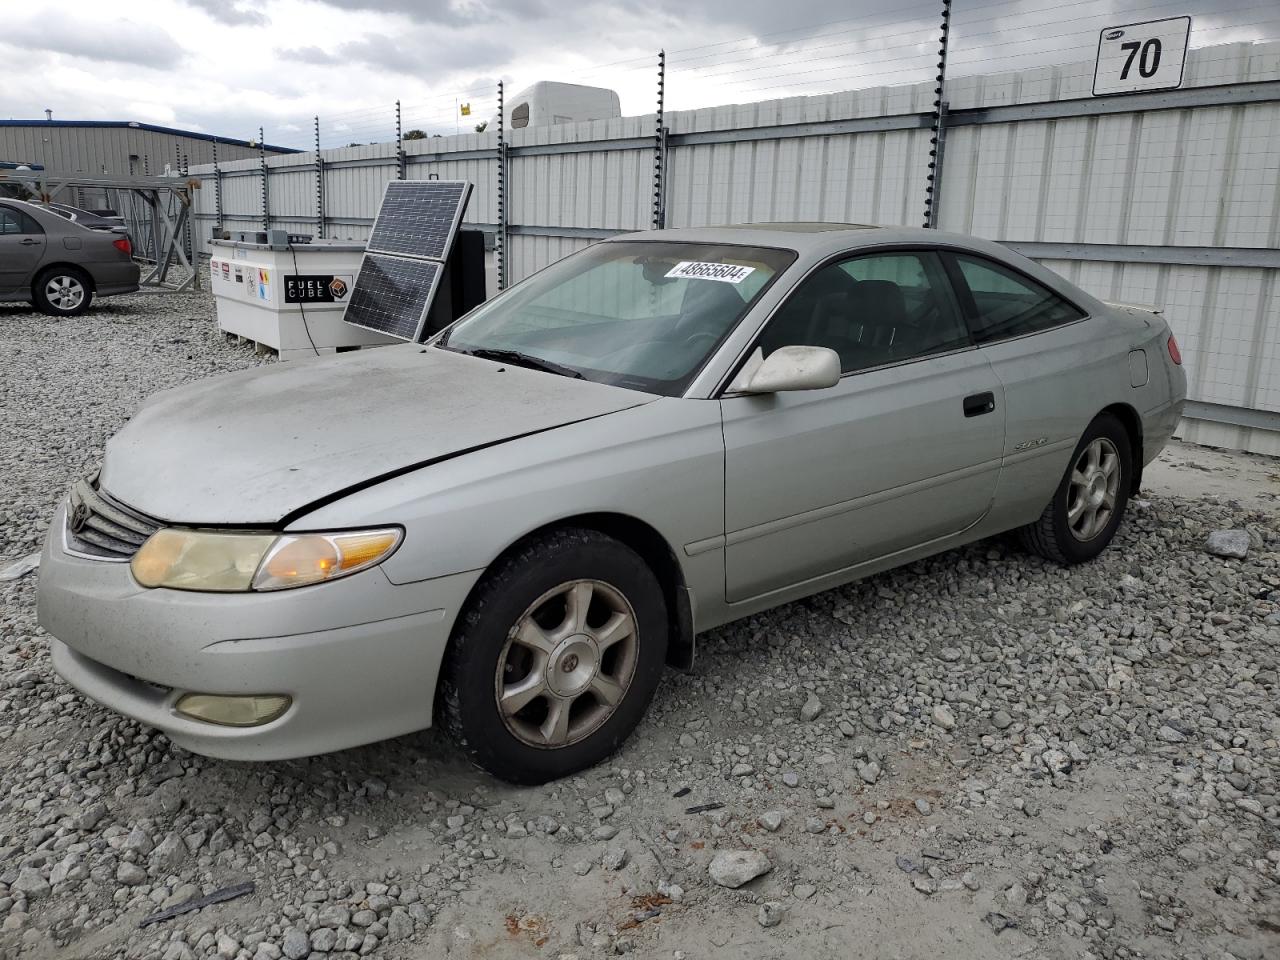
[135, 125]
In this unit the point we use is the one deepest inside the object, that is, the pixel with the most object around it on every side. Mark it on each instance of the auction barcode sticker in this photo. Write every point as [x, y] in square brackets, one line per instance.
[697, 270]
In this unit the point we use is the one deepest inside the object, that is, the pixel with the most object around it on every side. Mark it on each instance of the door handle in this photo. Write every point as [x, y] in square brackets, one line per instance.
[977, 404]
[28, 242]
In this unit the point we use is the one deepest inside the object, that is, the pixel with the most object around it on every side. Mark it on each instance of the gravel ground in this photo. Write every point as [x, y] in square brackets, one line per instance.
[980, 754]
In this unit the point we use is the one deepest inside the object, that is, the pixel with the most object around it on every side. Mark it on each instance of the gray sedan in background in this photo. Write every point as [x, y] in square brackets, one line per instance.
[57, 264]
[514, 527]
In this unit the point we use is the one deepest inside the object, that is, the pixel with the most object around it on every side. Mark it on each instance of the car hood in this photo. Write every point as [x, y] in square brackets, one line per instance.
[252, 448]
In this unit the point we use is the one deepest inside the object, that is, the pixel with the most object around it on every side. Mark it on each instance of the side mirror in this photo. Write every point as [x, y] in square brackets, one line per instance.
[789, 368]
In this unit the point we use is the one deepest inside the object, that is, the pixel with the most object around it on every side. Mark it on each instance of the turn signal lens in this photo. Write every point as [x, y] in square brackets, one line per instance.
[200, 560]
[233, 711]
[1174, 353]
[297, 560]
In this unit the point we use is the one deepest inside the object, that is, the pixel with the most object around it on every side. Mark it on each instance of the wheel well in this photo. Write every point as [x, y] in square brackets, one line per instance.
[81, 271]
[661, 559]
[1133, 427]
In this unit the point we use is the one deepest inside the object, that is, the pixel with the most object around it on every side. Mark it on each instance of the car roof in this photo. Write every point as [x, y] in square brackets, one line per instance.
[798, 226]
[816, 242]
[819, 239]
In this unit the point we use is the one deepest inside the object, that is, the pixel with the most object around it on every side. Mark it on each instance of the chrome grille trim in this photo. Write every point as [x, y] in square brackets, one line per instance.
[111, 532]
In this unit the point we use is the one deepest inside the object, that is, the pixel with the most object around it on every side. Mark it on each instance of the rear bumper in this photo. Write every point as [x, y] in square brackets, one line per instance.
[1158, 427]
[359, 657]
[117, 289]
[110, 279]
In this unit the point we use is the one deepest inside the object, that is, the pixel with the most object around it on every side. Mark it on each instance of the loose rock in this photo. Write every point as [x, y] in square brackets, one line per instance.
[733, 868]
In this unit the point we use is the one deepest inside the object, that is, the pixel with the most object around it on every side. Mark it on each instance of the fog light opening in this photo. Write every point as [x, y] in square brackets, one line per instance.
[230, 711]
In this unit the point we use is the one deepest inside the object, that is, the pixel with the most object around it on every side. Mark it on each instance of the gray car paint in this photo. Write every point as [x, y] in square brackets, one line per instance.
[62, 242]
[256, 446]
[862, 492]
[785, 495]
[300, 643]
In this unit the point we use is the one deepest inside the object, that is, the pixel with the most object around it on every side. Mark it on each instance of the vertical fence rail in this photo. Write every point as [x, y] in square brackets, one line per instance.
[933, 183]
[660, 149]
[187, 243]
[500, 238]
[217, 187]
[399, 145]
[319, 167]
[266, 197]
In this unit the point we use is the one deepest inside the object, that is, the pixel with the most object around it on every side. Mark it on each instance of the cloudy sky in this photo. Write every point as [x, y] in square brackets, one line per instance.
[230, 66]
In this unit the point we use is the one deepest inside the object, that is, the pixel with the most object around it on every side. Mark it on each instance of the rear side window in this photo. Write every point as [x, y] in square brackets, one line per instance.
[15, 221]
[1006, 304]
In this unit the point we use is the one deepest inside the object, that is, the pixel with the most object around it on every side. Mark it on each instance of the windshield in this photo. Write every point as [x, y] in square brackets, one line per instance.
[638, 314]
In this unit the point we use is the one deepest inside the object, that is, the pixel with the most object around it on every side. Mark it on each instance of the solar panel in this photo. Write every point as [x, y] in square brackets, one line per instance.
[418, 218]
[393, 294]
[406, 255]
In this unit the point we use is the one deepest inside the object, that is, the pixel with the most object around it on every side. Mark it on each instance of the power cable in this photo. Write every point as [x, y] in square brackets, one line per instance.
[297, 272]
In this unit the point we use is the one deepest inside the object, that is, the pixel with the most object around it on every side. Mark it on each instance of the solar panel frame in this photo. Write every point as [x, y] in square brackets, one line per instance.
[403, 324]
[398, 228]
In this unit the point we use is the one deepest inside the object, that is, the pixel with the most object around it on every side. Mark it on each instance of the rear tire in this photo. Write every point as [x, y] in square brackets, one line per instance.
[1088, 505]
[555, 657]
[62, 291]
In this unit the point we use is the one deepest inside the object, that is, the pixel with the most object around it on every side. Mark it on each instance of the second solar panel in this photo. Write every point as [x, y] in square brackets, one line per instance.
[392, 295]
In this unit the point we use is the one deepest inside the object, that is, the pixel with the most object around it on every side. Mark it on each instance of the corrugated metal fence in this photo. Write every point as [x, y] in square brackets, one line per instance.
[1168, 198]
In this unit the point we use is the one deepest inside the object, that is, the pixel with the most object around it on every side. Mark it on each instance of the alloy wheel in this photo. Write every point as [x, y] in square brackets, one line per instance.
[1093, 490]
[64, 292]
[567, 664]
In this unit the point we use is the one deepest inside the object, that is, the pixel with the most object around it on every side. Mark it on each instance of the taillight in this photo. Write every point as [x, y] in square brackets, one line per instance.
[124, 246]
[1174, 353]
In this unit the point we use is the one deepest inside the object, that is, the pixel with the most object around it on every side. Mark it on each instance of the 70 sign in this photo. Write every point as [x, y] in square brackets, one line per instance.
[1141, 56]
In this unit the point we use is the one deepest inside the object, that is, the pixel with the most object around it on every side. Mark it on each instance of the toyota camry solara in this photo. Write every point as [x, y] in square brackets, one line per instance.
[514, 527]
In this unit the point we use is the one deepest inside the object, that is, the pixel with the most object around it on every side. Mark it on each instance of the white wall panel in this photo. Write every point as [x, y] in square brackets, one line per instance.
[1204, 176]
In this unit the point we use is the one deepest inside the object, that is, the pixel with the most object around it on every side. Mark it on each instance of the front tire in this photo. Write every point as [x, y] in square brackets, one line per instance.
[555, 658]
[62, 292]
[1088, 505]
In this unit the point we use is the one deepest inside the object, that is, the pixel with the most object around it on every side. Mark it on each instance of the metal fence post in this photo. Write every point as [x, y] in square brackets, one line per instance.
[187, 241]
[217, 185]
[933, 188]
[660, 150]
[399, 146]
[500, 240]
[319, 184]
[266, 197]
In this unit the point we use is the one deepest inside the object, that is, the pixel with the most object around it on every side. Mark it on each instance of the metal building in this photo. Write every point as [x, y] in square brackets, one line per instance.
[119, 147]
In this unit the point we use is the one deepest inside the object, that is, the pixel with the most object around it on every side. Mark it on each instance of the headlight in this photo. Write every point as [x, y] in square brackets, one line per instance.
[238, 562]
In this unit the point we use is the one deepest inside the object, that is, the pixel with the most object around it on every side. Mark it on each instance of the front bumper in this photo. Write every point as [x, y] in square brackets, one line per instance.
[359, 657]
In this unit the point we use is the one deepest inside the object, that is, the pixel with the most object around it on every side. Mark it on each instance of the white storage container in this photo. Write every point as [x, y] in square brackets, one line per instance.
[277, 296]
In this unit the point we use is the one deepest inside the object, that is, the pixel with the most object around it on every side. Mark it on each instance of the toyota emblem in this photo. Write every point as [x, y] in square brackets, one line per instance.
[80, 514]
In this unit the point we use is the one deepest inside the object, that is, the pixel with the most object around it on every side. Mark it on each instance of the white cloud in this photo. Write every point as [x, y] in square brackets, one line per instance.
[236, 13]
[109, 41]
[238, 64]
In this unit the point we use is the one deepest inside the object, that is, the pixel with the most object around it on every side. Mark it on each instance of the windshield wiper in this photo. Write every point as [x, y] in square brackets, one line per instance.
[521, 360]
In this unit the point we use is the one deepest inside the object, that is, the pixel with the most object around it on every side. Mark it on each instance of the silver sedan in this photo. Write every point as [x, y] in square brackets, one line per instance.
[513, 528]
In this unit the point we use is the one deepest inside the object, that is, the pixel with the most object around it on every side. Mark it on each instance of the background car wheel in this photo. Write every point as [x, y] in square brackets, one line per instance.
[1089, 503]
[555, 658]
[63, 291]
